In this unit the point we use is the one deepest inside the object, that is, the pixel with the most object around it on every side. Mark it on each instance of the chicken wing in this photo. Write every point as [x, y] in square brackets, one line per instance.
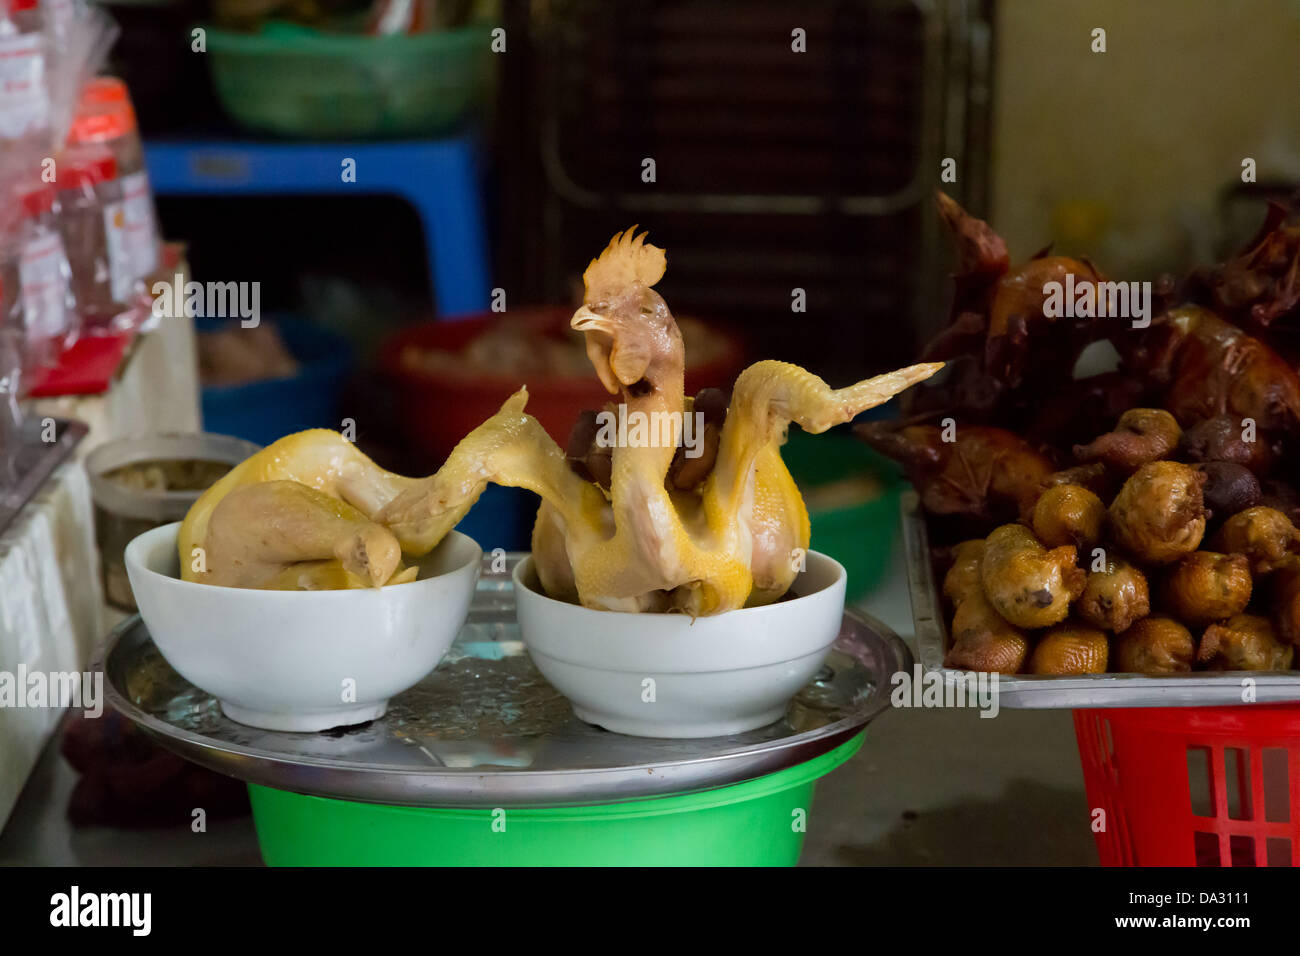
[1265, 536]
[1245, 642]
[985, 473]
[1155, 645]
[1262, 283]
[1027, 584]
[1070, 649]
[1159, 514]
[296, 526]
[1068, 514]
[983, 640]
[304, 499]
[1114, 597]
[1142, 435]
[1206, 586]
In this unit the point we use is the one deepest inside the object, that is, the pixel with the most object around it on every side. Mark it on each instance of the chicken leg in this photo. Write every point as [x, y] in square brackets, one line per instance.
[319, 461]
[304, 539]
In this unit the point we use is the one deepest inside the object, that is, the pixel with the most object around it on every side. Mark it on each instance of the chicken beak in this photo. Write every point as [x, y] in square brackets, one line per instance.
[584, 320]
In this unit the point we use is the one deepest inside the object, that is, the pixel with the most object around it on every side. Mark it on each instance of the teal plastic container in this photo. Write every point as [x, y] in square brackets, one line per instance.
[295, 81]
[759, 822]
[852, 496]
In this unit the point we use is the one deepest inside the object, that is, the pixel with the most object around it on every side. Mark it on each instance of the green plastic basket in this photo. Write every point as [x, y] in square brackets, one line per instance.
[295, 81]
[755, 823]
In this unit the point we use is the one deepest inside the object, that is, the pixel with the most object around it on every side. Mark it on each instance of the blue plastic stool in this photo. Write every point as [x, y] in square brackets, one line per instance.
[437, 177]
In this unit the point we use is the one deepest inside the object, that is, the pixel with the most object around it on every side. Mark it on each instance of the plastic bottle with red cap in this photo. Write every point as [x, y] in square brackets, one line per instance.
[93, 224]
[27, 15]
[106, 118]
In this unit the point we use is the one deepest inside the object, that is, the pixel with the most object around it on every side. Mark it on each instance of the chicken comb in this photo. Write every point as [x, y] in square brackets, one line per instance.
[627, 260]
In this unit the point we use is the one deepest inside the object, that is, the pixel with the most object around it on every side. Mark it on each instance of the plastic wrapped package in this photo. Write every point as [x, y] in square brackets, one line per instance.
[48, 48]
[55, 201]
[106, 119]
[49, 311]
[78, 39]
[11, 300]
[11, 388]
[24, 90]
[61, 21]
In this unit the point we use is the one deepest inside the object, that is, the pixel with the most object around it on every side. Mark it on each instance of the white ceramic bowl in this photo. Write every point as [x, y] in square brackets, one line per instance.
[283, 660]
[664, 675]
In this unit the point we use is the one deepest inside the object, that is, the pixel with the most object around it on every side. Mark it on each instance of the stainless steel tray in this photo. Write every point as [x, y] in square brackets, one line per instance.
[35, 462]
[1095, 690]
[485, 729]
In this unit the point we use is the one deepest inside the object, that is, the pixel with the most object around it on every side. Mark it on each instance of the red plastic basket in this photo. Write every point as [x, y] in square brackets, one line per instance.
[1193, 786]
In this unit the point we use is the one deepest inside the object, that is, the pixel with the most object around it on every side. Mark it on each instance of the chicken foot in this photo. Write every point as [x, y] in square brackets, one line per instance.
[511, 448]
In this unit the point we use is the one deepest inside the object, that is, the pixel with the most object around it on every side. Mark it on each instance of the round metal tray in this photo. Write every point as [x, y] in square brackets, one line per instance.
[485, 729]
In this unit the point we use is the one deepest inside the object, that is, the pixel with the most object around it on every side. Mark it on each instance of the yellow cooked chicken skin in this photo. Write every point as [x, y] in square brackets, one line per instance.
[736, 539]
[309, 499]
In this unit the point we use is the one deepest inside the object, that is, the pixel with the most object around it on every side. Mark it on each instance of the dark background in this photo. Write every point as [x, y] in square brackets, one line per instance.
[775, 170]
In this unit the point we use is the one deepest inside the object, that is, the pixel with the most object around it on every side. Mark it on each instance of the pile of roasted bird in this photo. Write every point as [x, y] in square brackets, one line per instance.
[1136, 520]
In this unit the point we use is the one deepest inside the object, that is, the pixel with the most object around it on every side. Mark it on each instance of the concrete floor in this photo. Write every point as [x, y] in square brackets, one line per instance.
[949, 788]
[945, 788]
[929, 788]
[38, 833]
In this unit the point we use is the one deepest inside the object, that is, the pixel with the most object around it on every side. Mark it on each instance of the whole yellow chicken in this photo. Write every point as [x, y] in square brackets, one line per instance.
[311, 511]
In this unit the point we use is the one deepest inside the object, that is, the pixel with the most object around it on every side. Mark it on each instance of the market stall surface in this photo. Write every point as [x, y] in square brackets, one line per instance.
[930, 787]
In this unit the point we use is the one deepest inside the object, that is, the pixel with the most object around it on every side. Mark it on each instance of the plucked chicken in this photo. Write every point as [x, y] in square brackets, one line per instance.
[311, 511]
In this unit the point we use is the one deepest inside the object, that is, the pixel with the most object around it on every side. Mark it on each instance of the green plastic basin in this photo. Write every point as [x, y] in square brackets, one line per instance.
[759, 822]
[299, 82]
[852, 495]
